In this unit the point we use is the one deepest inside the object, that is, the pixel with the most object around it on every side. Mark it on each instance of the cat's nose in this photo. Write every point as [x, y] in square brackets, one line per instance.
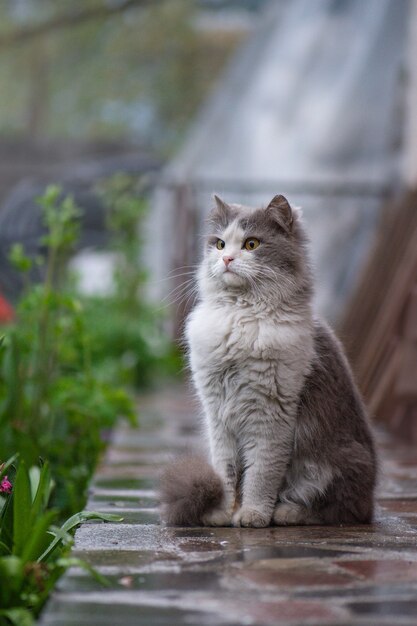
[227, 260]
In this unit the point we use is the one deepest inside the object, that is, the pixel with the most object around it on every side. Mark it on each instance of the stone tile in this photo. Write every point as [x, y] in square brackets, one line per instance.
[173, 444]
[180, 581]
[125, 482]
[127, 495]
[412, 522]
[349, 538]
[372, 591]
[121, 456]
[92, 614]
[124, 560]
[294, 612]
[384, 609]
[195, 608]
[114, 499]
[195, 545]
[274, 552]
[382, 570]
[123, 472]
[287, 575]
[399, 505]
[121, 537]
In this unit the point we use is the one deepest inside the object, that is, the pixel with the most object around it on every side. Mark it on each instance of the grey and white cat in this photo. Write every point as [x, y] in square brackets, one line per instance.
[288, 434]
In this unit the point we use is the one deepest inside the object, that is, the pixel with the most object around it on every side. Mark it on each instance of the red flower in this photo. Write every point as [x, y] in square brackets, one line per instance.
[5, 485]
[6, 311]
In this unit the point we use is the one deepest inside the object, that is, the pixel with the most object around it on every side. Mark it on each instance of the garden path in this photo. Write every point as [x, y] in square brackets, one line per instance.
[353, 575]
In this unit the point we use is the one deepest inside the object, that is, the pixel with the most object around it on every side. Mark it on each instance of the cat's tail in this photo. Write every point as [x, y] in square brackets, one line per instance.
[189, 489]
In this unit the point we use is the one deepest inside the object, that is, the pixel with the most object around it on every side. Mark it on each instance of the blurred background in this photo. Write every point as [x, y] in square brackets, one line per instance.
[140, 110]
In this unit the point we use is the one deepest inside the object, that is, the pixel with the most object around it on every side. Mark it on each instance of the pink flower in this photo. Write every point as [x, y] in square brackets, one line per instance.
[5, 485]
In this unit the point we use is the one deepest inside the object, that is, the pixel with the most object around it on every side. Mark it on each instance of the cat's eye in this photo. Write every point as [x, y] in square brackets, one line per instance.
[220, 244]
[251, 244]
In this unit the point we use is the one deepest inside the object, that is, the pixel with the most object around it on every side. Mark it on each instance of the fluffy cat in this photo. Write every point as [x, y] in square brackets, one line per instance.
[288, 434]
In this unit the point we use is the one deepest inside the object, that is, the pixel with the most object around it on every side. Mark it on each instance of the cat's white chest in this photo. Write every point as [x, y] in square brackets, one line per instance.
[208, 332]
[219, 334]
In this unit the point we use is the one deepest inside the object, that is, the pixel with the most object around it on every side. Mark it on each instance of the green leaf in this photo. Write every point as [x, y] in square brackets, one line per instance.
[11, 567]
[65, 537]
[19, 259]
[12, 379]
[11, 580]
[18, 617]
[75, 520]
[7, 464]
[42, 492]
[38, 540]
[34, 476]
[22, 503]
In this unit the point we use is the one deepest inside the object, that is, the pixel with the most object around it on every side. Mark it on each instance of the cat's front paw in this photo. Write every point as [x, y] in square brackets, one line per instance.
[292, 514]
[286, 514]
[218, 517]
[251, 518]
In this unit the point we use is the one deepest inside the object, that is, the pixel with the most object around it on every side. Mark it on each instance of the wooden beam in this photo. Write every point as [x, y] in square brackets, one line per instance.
[410, 136]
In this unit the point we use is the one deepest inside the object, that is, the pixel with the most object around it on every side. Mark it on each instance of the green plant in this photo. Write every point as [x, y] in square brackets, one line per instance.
[52, 403]
[128, 342]
[58, 397]
[33, 552]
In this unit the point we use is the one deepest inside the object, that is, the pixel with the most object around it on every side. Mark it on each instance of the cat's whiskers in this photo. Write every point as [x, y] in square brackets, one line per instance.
[179, 291]
[172, 277]
[184, 285]
[189, 303]
[184, 291]
[182, 268]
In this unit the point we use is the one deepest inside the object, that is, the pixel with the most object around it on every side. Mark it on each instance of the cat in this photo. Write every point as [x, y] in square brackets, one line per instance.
[289, 438]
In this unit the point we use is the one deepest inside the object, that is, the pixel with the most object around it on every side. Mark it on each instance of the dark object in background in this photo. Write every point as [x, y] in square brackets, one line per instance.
[380, 326]
[21, 219]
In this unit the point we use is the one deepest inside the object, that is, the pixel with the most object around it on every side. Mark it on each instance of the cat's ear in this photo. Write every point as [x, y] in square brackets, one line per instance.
[280, 211]
[221, 211]
[221, 204]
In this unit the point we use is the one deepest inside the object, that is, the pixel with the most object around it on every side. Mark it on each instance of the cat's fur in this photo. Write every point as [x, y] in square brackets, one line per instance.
[287, 429]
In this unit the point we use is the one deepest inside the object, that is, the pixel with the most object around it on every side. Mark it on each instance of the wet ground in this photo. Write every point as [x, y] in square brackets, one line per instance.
[352, 575]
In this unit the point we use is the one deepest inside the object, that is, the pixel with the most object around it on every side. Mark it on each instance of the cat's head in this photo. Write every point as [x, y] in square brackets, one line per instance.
[259, 251]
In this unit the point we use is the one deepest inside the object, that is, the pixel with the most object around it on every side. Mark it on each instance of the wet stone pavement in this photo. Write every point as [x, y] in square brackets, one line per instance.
[351, 575]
